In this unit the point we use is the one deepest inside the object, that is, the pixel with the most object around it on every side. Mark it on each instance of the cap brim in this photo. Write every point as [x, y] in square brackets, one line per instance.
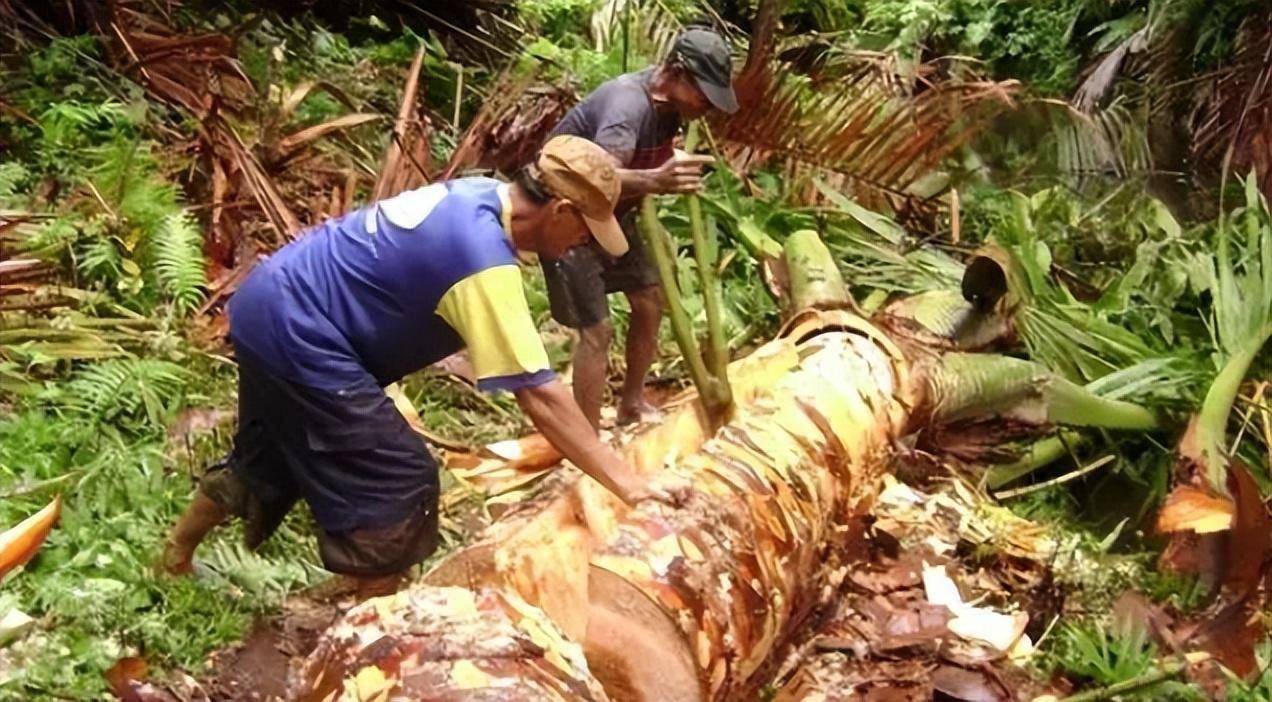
[721, 97]
[608, 234]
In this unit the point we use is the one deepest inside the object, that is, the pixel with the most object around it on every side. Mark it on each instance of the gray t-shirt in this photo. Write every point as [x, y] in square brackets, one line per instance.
[620, 118]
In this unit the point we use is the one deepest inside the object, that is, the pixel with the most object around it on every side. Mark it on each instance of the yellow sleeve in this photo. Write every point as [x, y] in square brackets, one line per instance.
[488, 310]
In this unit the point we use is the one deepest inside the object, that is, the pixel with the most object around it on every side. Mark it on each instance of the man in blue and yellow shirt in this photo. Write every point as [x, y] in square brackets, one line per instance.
[359, 302]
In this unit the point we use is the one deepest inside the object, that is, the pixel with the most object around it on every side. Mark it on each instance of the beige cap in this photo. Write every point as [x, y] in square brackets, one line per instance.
[582, 173]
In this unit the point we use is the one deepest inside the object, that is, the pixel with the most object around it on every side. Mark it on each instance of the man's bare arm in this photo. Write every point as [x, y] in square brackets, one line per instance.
[554, 413]
[677, 175]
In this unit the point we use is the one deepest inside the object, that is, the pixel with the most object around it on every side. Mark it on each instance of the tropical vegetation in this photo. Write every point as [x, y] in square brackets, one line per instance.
[1109, 160]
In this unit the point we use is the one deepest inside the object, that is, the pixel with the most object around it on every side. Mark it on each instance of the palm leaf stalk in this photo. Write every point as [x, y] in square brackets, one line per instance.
[705, 253]
[1202, 502]
[715, 395]
[690, 602]
[1035, 456]
[966, 385]
[1243, 322]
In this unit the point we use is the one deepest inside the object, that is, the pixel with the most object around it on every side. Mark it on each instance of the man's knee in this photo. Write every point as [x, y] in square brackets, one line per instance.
[645, 302]
[597, 336]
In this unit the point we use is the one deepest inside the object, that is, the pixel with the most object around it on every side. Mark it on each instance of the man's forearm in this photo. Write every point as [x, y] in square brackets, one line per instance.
[562, 423]
[638, 182]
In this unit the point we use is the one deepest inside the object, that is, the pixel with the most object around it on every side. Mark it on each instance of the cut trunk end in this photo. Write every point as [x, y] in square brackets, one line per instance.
[815, 280]
[633, 647]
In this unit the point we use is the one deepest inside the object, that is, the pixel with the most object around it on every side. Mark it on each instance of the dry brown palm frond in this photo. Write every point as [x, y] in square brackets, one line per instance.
[510, 126]
[1103, 76]
[194, 72]
[879, 133]
[1232, 125]
[407, 159]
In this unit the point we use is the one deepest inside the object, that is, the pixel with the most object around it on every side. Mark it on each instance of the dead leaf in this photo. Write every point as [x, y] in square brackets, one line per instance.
[1134, 614]
[916, 624]
[1248, 542]
[124, 676]
[888, 576]
[1230, 636]
[289, 144]
[20, 543]
[967, 685]
[1189, 508]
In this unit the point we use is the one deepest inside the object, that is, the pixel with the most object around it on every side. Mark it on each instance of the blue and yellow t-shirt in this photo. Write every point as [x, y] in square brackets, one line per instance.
[390, 288]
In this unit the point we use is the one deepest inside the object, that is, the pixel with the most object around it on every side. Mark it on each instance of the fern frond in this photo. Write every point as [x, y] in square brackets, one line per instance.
[126, 173]
[100, 259]
[126, 390]
[176, 249]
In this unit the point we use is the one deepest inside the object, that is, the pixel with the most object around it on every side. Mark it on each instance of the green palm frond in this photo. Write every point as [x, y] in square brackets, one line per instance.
[876, 253]
[1109, 141]
[1059, 330]
[650, 26]
[176, 248]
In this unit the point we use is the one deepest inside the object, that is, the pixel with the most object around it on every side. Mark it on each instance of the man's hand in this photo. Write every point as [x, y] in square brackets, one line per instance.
[671, 492]
[554, 412]
[682, 174]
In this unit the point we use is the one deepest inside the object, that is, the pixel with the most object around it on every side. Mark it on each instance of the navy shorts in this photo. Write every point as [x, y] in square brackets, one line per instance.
[368, 477]
[579, 282]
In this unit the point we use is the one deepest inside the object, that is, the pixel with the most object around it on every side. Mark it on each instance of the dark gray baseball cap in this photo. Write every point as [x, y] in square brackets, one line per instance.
[706, 56]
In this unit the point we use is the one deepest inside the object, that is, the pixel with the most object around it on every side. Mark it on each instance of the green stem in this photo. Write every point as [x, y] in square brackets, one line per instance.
[1169, 670]
[759, 244]
[1212, 420]
[1040, 453]
[658, 243]
[972, 386]
[815, 279]
[704, 251]
[1072, 404]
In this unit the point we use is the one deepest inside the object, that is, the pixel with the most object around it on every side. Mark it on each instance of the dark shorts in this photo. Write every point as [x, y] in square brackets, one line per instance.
[347, 455]
[579, 281]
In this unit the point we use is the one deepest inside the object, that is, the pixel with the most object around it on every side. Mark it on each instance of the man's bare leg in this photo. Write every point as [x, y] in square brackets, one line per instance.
[377, 586]
[591, 361]
[642, 347]
[202, 516]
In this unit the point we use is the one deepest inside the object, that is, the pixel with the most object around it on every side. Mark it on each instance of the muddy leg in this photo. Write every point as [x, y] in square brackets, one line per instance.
[203, 515]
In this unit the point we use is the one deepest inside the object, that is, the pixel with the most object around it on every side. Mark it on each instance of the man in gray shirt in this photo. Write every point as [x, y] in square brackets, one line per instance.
[634, 117]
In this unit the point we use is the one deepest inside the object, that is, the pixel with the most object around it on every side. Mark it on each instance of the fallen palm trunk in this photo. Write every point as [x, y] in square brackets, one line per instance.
[686, 604]
[738, 563]
[689, 602]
